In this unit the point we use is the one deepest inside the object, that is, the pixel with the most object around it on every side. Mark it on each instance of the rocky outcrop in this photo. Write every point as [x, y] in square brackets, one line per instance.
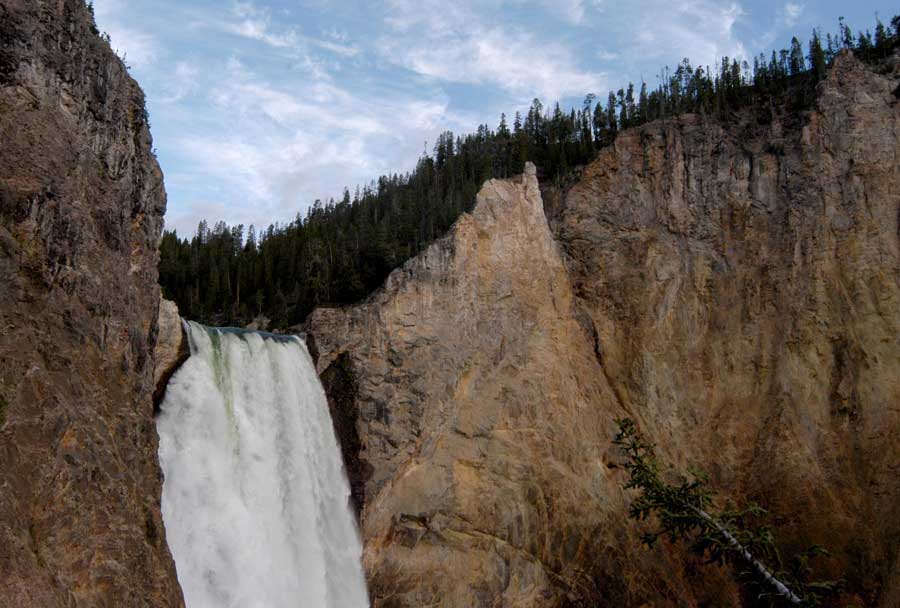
[484, 417]
[81, 207]
[733, 287]
[171, 348]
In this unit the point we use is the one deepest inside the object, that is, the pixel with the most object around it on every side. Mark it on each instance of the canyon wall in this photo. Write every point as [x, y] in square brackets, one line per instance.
[484, 417]
[733, 286]
[81, 208]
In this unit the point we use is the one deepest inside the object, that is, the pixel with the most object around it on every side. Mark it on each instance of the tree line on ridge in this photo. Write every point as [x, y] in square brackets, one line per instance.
[342, 250]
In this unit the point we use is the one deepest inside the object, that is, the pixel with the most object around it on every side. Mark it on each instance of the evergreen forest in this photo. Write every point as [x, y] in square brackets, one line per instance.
[342, 250]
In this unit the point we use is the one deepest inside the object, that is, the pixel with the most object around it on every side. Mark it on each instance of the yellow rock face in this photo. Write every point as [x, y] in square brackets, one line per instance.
[486, 419]
[732, 287]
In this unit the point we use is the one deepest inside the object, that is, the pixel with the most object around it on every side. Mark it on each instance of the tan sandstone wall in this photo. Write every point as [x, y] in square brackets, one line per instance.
[732, 286]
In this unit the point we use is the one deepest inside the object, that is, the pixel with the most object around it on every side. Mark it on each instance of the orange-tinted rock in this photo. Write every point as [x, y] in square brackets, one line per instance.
[733, 287]
[744, 283]
[485, 421]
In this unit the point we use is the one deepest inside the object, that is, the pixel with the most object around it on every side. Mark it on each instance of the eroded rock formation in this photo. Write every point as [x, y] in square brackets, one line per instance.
[733, 287]
[485, 420]
[745, 286]
[171, 348]
[81, 207]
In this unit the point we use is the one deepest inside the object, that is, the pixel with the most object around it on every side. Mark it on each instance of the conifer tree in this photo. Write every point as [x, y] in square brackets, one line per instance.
[611, 115]
[817, 57]
[340, 251]
[797, 62]
[600, 124]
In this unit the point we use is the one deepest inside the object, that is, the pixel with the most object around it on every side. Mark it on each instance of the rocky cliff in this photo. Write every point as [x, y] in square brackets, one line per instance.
[734, 287]
[81, 207]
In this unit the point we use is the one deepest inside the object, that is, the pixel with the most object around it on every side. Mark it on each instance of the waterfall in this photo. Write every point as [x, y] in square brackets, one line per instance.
[255, 499]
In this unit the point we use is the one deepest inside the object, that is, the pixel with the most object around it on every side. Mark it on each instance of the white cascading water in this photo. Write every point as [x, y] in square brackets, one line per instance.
[255, 499]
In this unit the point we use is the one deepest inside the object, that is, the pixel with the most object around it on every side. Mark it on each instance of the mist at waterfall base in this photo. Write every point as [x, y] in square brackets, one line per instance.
[255, 500]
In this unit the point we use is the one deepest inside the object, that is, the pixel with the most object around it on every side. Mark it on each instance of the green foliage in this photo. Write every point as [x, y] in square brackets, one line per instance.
[738, 536]
[90, 8]
[342, 250]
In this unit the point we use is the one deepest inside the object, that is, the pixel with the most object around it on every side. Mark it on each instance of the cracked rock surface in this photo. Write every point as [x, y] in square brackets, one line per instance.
[81, 208]
[734, 287]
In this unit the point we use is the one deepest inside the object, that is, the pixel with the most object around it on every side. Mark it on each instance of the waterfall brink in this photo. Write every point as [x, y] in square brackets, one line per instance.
[255, 500]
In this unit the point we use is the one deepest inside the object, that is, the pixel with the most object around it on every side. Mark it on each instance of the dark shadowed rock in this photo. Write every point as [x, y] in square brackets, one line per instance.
[81, 207]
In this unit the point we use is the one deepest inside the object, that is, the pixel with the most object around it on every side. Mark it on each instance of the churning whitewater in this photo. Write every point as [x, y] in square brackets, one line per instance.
[255, 500]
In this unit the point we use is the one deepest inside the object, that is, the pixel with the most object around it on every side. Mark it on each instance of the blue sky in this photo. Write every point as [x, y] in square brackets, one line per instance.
[259, 107]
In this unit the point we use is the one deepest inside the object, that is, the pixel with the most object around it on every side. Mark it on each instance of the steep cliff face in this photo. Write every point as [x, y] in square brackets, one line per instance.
[732, 287]
[484, 421]
[745, 287]
[81, 204]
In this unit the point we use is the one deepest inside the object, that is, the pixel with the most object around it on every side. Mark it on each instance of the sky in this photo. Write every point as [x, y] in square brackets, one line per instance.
[259, 107]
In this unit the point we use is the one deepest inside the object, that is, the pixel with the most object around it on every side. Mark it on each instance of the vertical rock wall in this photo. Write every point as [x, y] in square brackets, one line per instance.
[484, 418]
[733, 286]
[744, 283]
[81, 208]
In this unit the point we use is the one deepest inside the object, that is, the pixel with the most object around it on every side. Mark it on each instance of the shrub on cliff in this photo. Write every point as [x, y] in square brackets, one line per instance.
[685, 511]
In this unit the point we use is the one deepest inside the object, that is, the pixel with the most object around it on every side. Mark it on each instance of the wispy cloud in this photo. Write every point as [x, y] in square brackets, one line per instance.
[790, 14]
[183, 82]
[256, 23]
[454, 46]
[283, 146]
[261, 106]
[139, 48]
[702, 30]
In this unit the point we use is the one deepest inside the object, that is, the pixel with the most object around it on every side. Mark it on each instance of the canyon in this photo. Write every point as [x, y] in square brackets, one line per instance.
[734, 287]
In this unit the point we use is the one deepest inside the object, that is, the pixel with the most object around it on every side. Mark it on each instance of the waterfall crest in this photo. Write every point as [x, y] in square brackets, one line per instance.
[255, 499]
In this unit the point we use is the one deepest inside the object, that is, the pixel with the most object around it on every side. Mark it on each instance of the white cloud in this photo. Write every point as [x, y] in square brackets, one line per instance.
[183, 82]
[702, 30]
[281, 146]
[570, 11]
[138, 48]
[790, 14]
[256, 23]
[258, 111]
[455, 46]
[344, 50]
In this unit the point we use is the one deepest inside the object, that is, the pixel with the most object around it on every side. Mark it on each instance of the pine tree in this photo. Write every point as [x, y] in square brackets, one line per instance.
[846, 34]
[339, 251]
[629, 104]
[797, 62]
[611, 115]
[642, 103]
[599, 124]
[817, 57]
[502, 129]
[881, 39]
